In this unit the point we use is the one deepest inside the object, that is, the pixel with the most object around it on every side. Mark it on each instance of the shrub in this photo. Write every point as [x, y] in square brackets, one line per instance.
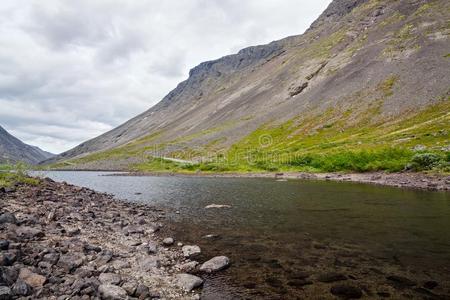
[425, 161]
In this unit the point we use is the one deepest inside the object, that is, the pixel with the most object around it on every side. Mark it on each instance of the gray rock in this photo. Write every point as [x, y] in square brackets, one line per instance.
[8, 258]
[215, 264]
[110, 278]
[188, 267]
[112, 292]
[8, 275]
[70, 262]
[188, 282]
[5, 293]
[151, 247]
[168, 241]
[4, 244]
[27, 232]
[142, 291]
[149, 263]
[21, 288]
[51, 258]
[8, 217]
[130, 287]
[103, 258]
[191, 251]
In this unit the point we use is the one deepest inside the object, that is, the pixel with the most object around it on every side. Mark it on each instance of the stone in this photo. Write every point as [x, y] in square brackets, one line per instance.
[27, 232]
[188, 267]
[215, 264]
[112, 292]
[217, 206]
[70, 262]
[51, 258]
[149, 263]
[21, 288]
[5, 293]
[431, 284]
[400, 281]
[120, 265]
[8, 258]
[130, 287]
[188, 282]
[103, 258]
[8, 275]
[346, 291]
[142, 291]
[32, 279]
[134, 229]
[91, 248]
[110, 278]
[168, 241]
[4, 244]
[191, 251]
[331, 277]
[151, 247]
[8, 217]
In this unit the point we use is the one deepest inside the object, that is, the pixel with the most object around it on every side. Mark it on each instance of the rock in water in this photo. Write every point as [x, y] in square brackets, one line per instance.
[215, 264]
[112, 292]
[401, 281]
[188, 282]
[346, 291]
[331, 277]
[217, 206]
[191, 251]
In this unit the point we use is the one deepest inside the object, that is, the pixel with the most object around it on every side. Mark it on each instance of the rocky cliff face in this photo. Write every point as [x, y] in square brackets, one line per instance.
[12, 150]
[363, 64]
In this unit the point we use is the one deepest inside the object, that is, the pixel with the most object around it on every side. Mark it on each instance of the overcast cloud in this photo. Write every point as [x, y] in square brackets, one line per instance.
[71, 70]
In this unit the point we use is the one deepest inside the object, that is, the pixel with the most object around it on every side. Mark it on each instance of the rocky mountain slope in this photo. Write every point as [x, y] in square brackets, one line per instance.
[12, 150]
[367, 75]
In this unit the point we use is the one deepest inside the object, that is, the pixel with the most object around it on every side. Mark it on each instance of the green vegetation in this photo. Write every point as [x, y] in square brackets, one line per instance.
[11, 175]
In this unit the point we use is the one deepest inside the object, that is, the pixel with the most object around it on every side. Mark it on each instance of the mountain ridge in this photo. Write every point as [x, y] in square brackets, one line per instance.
[13, 150]
[365, 61]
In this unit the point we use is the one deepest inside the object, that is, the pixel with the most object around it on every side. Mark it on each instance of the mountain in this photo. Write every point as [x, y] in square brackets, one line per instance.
[368, 75]
[12, 150]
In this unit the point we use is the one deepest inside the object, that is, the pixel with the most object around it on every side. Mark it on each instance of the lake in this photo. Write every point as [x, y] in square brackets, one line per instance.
[295, 239]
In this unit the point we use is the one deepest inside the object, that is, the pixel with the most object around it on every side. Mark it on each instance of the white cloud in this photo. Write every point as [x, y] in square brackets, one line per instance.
[71, 70]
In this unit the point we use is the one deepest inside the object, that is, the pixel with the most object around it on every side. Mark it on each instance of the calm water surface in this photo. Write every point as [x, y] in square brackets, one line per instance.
[277, 230]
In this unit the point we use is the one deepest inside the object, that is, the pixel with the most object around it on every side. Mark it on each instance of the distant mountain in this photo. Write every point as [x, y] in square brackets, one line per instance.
[12, 150]
[367, 74]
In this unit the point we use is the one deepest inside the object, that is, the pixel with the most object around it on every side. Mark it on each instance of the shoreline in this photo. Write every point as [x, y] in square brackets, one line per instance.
[74, 242]
[418, 181]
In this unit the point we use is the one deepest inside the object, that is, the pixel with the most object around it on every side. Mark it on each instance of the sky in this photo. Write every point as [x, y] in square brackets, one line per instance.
[72, 70]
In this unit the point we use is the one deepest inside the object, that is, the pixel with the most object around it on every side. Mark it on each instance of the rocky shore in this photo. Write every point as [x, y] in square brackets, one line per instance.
[59, 241]
[421, 181]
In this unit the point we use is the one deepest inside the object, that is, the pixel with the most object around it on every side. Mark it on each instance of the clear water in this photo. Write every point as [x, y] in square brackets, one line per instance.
[275, 230]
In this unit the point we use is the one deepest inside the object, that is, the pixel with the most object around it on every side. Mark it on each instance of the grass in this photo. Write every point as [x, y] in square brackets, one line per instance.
[11, 175]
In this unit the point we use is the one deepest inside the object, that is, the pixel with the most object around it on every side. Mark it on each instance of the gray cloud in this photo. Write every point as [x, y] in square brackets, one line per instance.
[71, 70]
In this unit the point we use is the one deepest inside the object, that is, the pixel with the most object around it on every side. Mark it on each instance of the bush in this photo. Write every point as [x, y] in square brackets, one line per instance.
[425, 161]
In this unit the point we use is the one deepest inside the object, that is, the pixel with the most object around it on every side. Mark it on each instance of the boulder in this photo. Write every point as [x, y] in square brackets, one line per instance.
[188, 282]
[191, 251]
[149, 263]
[8, 217]
[27, 232]
[4, 244]
[21, 288]
[70, 262]
[215, 264]
[32, 279]
[112, 292]
[110, 278]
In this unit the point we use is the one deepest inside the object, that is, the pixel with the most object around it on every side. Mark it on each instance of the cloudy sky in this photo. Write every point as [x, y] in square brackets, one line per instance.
[73, 69]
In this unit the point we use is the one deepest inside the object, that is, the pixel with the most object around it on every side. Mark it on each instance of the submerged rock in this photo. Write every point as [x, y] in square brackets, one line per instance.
[331, 277]
[400, 281]
[217, 206]
[215, 264]
[188, 282]
[346, 291]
